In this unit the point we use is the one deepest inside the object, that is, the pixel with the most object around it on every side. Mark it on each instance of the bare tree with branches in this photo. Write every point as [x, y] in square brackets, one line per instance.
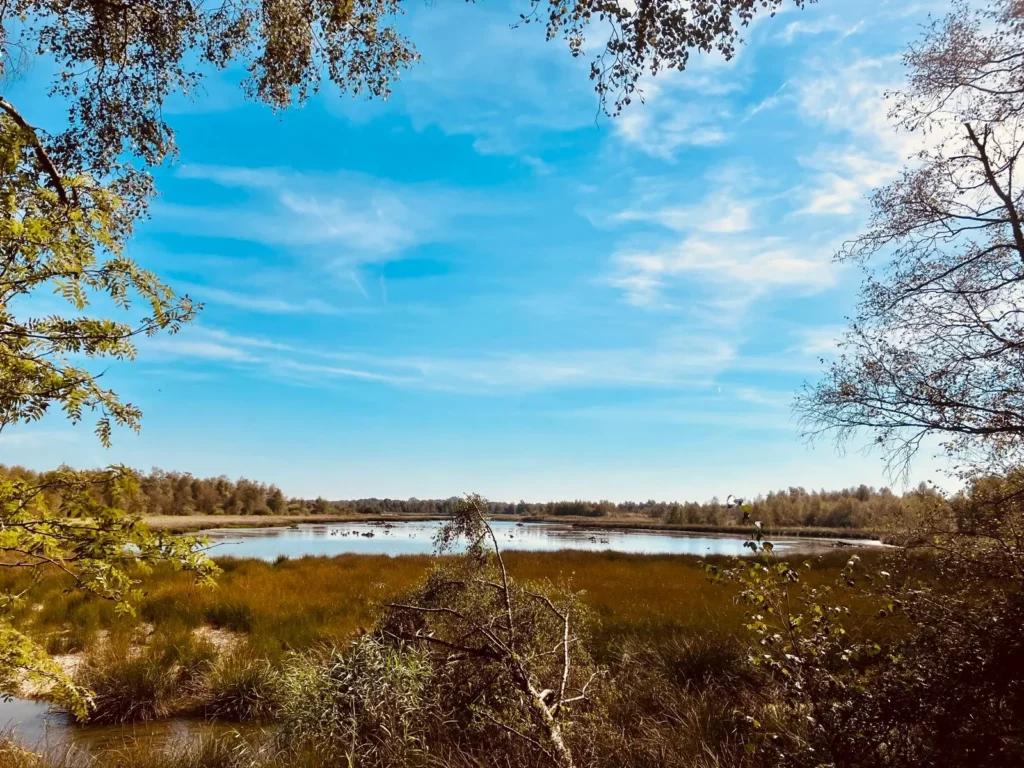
[937, 347]
[516, 651]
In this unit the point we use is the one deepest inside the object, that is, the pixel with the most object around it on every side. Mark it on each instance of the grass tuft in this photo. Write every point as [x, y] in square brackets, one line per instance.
[128, 684]
[242, 688]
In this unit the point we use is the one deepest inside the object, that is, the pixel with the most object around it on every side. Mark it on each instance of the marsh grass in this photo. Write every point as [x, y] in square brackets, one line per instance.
[299, 603]
[224, 751]
[241, 687]
[673, 643]
[648, 613]
[129, 682]
[176, 645]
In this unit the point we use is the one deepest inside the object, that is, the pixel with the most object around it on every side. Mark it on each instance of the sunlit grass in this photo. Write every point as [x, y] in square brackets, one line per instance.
[673, 642]
[293, 605]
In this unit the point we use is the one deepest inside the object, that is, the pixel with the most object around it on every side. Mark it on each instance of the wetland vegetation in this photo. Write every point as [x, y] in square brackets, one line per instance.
[226, 652]
[477, 656]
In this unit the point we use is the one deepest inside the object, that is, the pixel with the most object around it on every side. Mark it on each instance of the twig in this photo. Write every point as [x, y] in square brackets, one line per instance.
[518, 733]
[40, 150]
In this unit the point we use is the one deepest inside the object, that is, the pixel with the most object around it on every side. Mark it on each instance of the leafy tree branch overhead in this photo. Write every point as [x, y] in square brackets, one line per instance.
[118, 63]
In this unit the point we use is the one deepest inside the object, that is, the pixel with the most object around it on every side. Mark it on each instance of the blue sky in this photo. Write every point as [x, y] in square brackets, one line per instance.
[481, 285]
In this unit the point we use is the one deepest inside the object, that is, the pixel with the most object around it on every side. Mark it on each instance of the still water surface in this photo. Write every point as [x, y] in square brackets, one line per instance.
[417, 538]
[34, 725]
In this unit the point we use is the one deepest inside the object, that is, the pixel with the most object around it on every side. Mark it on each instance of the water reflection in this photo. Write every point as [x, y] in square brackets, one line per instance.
[34, 725]
[417, 537]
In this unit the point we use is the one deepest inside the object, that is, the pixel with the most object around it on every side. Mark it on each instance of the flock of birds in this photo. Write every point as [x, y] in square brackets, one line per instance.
[388, 527]
[364, 534]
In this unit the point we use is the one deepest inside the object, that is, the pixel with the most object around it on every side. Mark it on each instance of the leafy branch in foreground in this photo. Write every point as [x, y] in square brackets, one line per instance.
[930, 672]
[801, 641]
[73, 522]
[66, 235]
[645, 37]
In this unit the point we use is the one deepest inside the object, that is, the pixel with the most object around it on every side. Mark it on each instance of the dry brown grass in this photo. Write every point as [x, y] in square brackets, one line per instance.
[295, 604]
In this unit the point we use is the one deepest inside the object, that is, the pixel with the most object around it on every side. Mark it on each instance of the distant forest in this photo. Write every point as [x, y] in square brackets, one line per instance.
[179, 493]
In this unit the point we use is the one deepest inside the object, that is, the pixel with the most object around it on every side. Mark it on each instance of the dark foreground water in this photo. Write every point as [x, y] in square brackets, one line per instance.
[417, 538]
[33, 725]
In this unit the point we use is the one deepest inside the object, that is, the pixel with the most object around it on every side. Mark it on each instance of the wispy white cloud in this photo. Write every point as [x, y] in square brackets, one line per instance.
[675, 359]
[241, 340]
[362, 217]
[767, 103]
[264, 303]
[183, 345]
[843, 178]
[769, 399]
[848, 97]
[757, 264]
[718, 213]
[820, 341]
[697, 108]
[729, 250]
[462, 85]
[668, 362]
[309, 372]
[840, 27]
[862, 146]
[539, 166]
[665, 123]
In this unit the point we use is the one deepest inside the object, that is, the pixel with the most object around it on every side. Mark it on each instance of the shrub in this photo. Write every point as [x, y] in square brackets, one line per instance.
[371, 702]
[471, 667]
[235, 616]
[670, 700]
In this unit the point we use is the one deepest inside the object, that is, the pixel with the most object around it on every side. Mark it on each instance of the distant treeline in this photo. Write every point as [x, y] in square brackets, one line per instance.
[179, 493]
[861, 507]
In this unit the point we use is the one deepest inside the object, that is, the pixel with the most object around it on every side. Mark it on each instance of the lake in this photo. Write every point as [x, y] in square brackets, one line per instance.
[417, 538]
